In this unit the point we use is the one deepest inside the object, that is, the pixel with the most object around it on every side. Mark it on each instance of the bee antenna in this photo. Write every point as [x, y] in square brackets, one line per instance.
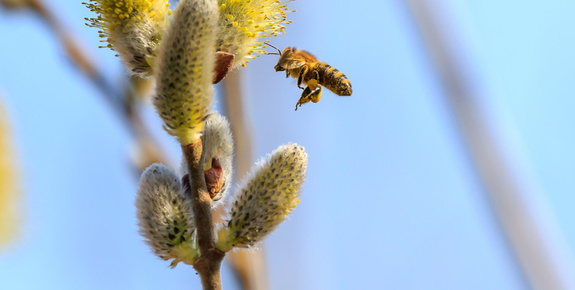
[279, 51]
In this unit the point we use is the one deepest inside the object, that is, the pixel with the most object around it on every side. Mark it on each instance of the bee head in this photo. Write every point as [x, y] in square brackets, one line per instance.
[278, 66]
[284, 57]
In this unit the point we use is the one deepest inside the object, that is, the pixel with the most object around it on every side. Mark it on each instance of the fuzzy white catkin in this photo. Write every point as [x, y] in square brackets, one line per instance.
[165, 214]
[138, 45]
[266, 200]
[218, 143]
[185, 68]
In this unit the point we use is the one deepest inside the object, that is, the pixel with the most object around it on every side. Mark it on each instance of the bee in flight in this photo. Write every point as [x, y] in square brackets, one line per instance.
[314, 74]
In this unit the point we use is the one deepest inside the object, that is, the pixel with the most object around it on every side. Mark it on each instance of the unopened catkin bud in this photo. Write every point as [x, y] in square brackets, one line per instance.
[266, 200]
[132, 28]
[165, 215]
[218, 148]
[185, 69]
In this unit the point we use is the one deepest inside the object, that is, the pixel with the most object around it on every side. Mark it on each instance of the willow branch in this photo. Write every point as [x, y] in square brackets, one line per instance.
[209, 263]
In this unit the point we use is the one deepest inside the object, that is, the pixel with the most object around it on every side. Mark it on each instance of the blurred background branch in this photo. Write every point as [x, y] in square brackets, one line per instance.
[531, 245]
[124, 101]
[249, 266]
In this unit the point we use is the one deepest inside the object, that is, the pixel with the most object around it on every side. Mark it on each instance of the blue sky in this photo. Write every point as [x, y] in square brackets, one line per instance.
[391, 200]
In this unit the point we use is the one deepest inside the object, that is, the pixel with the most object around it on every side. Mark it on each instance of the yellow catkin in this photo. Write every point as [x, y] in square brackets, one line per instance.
[10, 193]
[244, 22]
[185, 68]
[132, 28]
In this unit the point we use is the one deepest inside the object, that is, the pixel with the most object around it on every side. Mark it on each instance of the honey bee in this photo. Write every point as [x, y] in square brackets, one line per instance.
[314, 74]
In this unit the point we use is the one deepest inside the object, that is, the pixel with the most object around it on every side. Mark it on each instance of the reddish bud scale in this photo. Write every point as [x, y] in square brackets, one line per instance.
[214, 177]
[224, 63]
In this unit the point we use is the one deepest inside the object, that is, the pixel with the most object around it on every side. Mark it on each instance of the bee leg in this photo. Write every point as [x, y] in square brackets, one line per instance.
[313, 81]
[316, 95]
[287, 73]
[305, 97]
[302, 73]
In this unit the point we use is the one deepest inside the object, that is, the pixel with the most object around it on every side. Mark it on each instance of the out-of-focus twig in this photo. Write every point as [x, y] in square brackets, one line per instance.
[122, 101]
[78, 55]
[248, 266]
[534, 250]
[14, 4]
[241, 128]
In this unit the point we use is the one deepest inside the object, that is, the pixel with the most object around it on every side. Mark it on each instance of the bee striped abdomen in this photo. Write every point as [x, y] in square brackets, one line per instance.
[334, 80]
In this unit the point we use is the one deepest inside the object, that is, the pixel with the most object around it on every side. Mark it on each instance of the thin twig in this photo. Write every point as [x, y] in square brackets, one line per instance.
[209, 263]
[118, 99]
[79, 56]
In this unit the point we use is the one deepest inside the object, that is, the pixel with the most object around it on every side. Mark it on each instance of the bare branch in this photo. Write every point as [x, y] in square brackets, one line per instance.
[208, 265]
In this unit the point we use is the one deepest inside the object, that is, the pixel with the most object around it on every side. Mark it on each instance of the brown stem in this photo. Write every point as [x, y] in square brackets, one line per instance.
[208, 265]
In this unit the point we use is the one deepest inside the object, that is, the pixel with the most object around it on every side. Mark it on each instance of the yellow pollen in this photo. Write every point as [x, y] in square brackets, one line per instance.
[245, 22]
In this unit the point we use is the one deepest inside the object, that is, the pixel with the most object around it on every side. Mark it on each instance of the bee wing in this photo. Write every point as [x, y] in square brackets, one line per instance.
[294, 63]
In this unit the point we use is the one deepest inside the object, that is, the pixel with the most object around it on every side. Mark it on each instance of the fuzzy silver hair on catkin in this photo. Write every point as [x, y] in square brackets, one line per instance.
[185, 69]
[138, 47]
[218, 146]
[266, 199]
[165, 215]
